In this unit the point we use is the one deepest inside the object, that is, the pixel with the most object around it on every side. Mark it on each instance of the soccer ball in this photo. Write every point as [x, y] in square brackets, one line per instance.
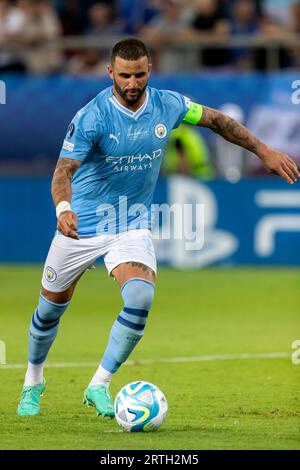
[140, 406]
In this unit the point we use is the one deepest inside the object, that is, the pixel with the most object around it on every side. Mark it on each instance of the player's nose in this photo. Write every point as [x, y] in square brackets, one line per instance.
[132, 83]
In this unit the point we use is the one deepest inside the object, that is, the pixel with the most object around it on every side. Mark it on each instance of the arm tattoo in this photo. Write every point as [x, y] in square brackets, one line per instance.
[61, 181]
[229, 128]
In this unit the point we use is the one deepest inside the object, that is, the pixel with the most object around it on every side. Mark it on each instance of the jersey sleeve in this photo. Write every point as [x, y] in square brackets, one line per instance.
[176, 107]
[182, 109]
[82, 134]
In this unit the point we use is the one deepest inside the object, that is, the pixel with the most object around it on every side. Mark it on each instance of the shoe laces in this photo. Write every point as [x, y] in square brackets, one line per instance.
[27, 394]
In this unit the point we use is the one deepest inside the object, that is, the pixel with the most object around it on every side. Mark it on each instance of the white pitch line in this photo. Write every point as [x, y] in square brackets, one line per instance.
[210, 358]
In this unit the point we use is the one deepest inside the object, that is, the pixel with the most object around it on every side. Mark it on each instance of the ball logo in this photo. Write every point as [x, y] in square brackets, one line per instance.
[160, 130]
[50, 274]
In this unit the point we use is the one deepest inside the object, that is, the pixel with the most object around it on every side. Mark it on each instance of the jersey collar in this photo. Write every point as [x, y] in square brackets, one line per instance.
[134, 114]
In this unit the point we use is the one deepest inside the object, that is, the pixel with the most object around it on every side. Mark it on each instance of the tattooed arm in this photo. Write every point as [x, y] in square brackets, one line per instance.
[236, 133]
[61, 191]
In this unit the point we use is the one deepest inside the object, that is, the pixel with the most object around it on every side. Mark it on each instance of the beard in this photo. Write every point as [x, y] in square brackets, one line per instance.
[127, 97]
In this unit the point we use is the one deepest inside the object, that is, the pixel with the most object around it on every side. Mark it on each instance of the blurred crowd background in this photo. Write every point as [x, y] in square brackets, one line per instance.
[184, 35]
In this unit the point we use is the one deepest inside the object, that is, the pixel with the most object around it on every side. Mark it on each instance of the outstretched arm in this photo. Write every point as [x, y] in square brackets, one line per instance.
[61, 191]
[233, 131]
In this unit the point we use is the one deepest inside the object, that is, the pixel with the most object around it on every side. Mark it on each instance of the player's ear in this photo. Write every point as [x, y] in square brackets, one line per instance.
[110, 71]
[149, 68]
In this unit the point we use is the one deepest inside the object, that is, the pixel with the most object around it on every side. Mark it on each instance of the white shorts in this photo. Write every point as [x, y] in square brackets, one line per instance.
[68, 258]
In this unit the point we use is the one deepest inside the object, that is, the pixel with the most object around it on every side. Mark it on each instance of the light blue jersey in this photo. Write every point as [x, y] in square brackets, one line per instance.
[120, 153]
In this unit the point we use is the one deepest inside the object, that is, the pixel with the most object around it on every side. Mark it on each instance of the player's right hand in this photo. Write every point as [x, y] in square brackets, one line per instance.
[280, 164]
[67, 224]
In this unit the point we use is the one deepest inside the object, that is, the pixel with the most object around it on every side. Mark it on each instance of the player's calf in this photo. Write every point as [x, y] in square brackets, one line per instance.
[129, 327]
[42, 332]
[125, 334]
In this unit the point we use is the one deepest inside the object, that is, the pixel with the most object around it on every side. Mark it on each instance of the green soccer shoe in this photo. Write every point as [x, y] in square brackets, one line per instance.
[99, 397]
[30, 399]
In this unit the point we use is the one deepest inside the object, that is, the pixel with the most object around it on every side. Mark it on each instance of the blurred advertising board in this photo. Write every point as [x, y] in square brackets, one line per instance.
[251, 222]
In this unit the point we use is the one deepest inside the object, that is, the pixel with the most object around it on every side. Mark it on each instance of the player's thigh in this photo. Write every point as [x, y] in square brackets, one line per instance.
[131, 269]
[66, 262]
[61, 297]
[131, 255]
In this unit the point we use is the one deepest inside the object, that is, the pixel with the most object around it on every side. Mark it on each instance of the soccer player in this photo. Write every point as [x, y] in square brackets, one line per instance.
[102, 189]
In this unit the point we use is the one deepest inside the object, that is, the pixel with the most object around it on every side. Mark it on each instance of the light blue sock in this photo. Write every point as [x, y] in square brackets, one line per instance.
[128, 329]
[43, 329]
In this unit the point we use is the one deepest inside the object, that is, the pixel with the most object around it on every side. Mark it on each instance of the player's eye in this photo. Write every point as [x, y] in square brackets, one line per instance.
[125, 75]
[140, 75]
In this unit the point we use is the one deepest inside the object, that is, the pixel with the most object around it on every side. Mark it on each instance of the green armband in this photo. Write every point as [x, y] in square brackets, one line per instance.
[194, 114]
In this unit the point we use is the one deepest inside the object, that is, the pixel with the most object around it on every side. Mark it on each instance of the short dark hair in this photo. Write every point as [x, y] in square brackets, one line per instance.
[129, 49]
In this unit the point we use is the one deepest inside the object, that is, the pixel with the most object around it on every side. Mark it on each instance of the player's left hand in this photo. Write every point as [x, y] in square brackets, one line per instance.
[280, 164]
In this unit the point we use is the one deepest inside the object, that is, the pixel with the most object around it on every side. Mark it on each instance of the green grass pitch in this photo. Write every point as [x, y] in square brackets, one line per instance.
[227, 404]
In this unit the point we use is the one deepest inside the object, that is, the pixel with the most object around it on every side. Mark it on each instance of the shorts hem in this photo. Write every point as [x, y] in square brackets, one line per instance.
[59, 289]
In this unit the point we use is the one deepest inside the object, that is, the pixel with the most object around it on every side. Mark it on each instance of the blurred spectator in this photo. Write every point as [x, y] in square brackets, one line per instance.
[101, 21]
[74, 13]
[209, 15]
[295, 9]
[102, 24]
[70, 16]
[209, 18]
[187, 153]
[88, 62]
[12, 20]
[228, 5]
[171, 23]
[40, 28]
[86, 5]
[278, 11]
[136, 13]
[244, 21]
[295, 29]
[247, 19]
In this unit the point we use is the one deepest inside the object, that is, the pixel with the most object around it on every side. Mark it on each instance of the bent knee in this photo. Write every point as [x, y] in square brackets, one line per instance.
[138, 293]
[57, 297]
[144, 297]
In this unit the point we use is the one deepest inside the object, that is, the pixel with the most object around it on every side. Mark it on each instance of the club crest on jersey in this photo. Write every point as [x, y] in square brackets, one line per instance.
[50, 274]
[160, 130]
